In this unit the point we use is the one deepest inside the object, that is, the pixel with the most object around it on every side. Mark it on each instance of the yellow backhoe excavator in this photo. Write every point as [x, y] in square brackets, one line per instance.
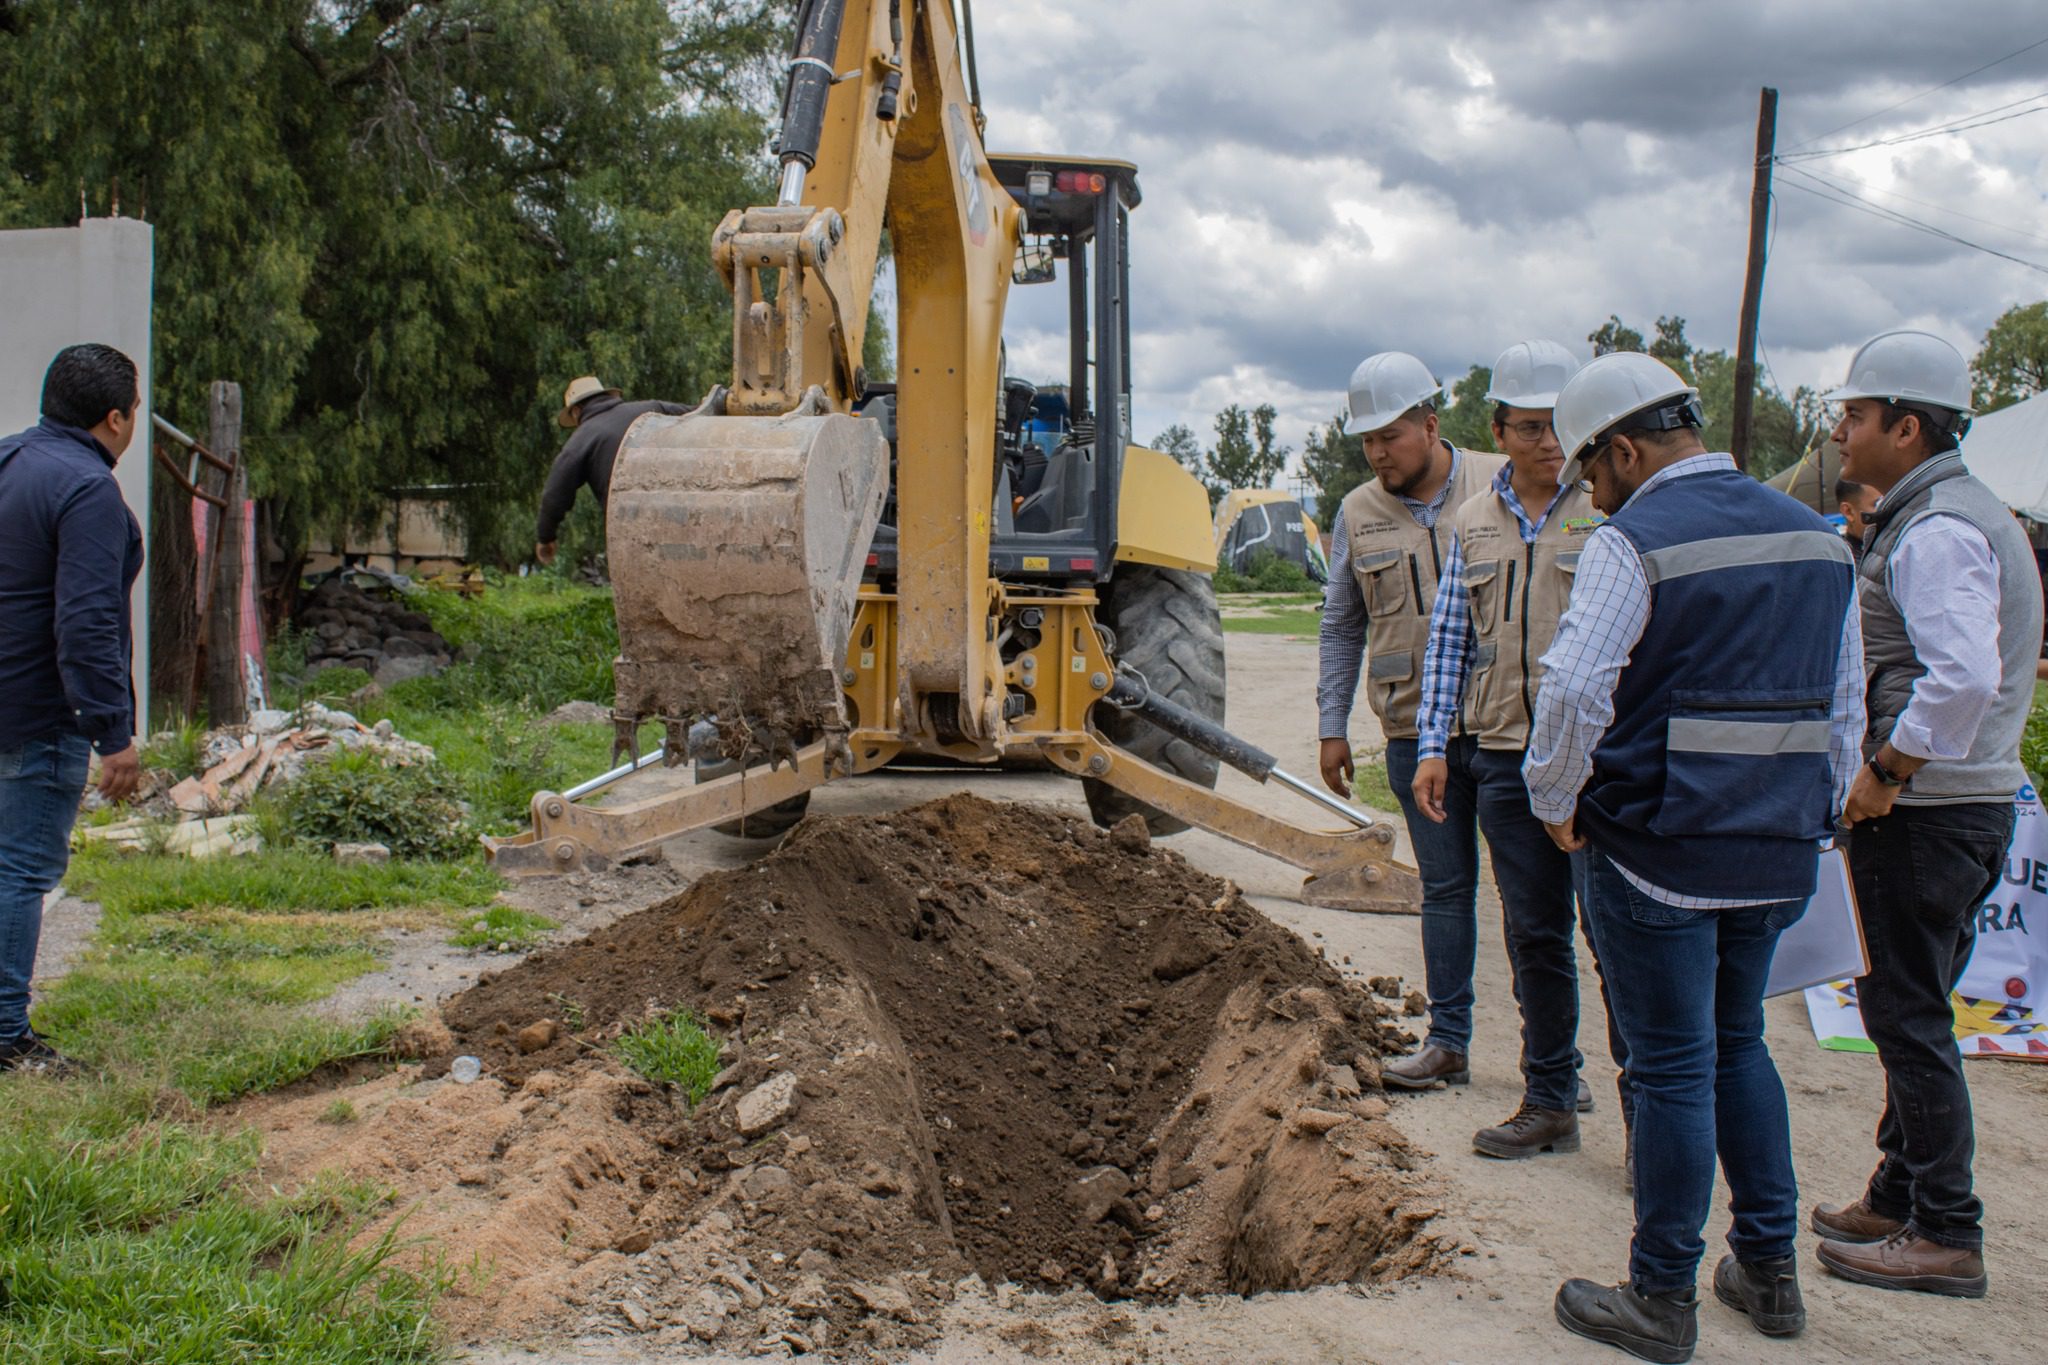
[816, 575]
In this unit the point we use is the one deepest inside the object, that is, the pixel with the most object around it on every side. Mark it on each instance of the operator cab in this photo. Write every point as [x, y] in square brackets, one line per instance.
[1059, 447]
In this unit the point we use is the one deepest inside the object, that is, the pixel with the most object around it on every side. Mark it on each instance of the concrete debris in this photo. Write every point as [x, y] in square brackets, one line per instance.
[351, 855]
[767, 1105]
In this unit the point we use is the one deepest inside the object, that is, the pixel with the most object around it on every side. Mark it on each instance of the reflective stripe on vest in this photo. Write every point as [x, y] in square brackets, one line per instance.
[1727, 552]
[1747, 736]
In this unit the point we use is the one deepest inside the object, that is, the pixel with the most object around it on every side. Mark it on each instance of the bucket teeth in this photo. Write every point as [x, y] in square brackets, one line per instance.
[625, 737]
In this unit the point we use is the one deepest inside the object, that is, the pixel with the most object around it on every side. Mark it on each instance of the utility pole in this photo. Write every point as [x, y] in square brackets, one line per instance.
[1753, 279]
[227, 698]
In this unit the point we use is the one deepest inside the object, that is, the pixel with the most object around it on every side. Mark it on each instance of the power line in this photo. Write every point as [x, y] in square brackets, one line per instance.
[1861, 205]
[1842, 182]
[1953, 80]
[1960, 124]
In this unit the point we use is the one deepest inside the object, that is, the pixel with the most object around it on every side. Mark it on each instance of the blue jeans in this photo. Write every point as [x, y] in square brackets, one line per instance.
[1687, 988]
[40, 784]
[1447, 856]
[1538, 921]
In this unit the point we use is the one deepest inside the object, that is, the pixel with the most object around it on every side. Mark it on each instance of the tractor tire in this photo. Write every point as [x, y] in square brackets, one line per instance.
[1167, 629]
[767, 823]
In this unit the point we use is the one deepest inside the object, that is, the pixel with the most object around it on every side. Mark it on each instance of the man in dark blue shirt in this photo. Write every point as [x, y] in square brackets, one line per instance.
[69, 553]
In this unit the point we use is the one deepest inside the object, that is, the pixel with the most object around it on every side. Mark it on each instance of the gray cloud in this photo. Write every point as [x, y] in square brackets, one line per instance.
[1327, 179]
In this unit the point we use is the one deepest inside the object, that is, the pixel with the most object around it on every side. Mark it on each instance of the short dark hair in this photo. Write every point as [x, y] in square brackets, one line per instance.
[1847, 489]
[1500, 416]
[1937, 430]
[1419, 413]
[86, 382]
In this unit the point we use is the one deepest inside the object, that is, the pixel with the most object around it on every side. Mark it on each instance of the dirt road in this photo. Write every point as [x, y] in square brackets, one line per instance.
[1532, 1222]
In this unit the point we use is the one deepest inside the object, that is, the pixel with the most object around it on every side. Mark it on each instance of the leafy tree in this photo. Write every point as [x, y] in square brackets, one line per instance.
[1334, 465]
[1614, 335]
[1180, 443]
[2013, 363]
[402, 225]
[1672, 348]
[1467, 420]
[1245, 454]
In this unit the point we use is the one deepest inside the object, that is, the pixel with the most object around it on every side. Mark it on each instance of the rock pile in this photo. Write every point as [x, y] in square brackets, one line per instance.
[348, 626]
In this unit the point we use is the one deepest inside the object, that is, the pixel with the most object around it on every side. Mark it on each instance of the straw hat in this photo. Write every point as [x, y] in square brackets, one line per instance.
[581, 388]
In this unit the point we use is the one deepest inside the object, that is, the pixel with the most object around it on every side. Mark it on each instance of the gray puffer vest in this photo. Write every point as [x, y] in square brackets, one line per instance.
[1991, 770]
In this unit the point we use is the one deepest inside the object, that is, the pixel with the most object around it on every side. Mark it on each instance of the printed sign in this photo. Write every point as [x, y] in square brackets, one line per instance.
[2002, 1002]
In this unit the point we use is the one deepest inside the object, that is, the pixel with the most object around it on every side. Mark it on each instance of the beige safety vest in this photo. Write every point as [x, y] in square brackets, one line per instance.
[1519, 591]
[1397, 562]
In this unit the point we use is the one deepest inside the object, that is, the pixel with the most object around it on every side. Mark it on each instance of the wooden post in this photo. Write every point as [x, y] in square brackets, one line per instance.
[1753, 278]
[226, 693]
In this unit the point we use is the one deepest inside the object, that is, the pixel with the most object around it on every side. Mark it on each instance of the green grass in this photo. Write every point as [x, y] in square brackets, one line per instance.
[1369, 784]
[1269, 599]
[673, 1049]
[273, 880]
[502, 924]
[1283, 622]
[178, 752]
[127, 1239]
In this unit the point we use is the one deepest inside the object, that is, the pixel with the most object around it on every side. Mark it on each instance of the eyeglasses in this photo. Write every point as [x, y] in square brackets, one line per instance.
[1534, 429]
[1600, 451]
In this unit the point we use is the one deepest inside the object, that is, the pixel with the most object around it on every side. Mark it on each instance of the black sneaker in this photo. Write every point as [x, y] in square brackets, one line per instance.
[1660, 1327]
[31, 1054]
[1768, 1291]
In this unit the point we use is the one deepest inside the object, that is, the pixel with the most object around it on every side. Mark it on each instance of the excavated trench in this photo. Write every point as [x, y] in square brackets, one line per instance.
[963, 1039]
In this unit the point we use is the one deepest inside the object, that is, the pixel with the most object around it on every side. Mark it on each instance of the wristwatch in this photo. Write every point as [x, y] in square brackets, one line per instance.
[1884, 774]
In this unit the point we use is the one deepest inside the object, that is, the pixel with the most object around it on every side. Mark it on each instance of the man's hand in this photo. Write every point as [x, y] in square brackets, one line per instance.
[120, 773]
[1432, 775]
[545, 552]
[1335, 760]
[1869, 799]
[1566, 836]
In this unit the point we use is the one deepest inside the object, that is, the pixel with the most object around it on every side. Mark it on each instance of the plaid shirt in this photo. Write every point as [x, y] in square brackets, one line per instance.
[1448, 659]
[1610, 610]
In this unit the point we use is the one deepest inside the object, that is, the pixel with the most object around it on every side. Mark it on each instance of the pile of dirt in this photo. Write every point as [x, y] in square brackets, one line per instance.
[966, 1041]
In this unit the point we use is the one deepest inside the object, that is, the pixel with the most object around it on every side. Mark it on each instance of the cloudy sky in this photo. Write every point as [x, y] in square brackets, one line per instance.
[1323, 180]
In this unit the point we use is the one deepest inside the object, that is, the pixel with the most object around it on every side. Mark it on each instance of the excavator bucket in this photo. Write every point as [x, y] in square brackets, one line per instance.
[736, 548]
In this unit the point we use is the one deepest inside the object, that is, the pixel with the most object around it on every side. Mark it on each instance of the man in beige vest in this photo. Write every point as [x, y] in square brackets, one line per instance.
[1387, 551]
[1507, 580]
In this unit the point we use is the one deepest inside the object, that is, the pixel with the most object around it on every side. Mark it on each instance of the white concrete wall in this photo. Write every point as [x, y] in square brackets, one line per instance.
[61, 286]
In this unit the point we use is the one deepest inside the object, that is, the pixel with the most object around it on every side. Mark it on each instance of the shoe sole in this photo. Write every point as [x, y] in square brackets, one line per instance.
[1634, 1345]
[1585, 1106]
[1951, 1286]
[1510, 1152]
[1770, 1324]
[1454, 1078]
[1829, 1232]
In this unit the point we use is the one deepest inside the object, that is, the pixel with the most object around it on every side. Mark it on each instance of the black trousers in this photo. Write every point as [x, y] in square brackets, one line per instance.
[1920, 874]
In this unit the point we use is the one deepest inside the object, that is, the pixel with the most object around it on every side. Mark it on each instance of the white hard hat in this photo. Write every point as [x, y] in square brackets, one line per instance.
[1609, 388]
[1529, 374]
[1912, 367]
[1384, 386]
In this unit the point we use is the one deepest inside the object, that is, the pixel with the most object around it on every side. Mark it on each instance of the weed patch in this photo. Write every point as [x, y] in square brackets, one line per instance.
[126, 1239]
[356, 799]
[501, 924]
[271, 881]
[672, 1049]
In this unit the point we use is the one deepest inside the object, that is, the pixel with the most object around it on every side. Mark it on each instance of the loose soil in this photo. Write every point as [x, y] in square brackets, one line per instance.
[968, 1044]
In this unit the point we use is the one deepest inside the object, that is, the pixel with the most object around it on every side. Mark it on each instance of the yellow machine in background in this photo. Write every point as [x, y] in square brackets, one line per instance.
[816, 575]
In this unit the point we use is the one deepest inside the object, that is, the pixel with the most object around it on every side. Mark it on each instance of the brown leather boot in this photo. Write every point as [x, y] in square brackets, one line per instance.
[1528, 1133]
[1906, 1260]
[1426, 1068]
[1856, 1222]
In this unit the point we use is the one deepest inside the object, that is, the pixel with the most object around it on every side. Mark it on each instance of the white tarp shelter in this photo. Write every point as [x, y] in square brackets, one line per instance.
[62, 286]
[2008, 450]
